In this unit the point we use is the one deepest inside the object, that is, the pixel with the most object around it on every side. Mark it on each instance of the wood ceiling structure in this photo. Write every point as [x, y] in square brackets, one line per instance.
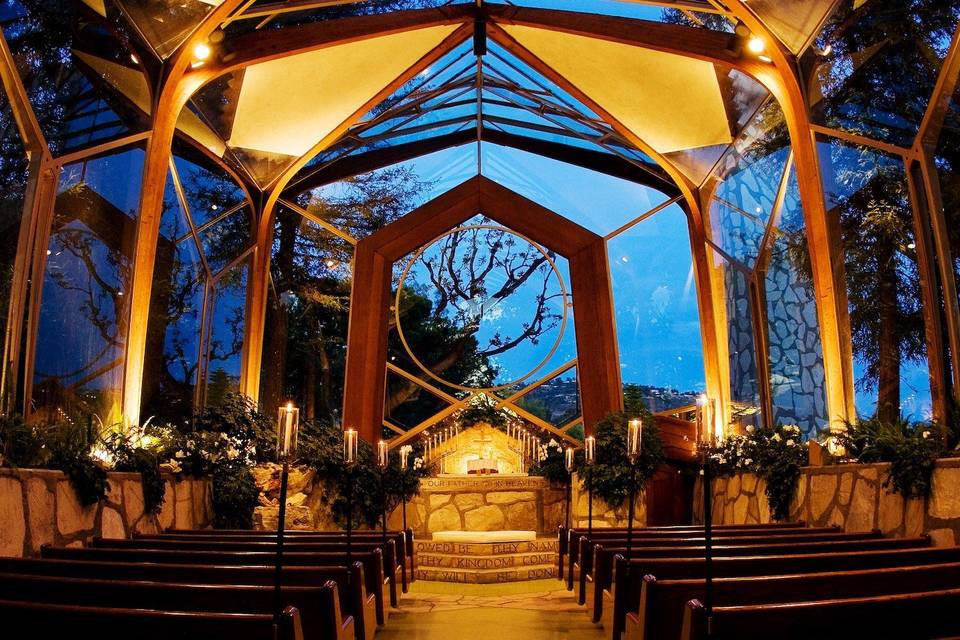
[293, 98]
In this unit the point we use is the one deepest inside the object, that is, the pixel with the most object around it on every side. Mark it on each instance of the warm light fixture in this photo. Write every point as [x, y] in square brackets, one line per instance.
[634, 439]
[756, 45]
[383, 455]
[590, 450]
[350, 446]
[568, 459]
[288, 422]
[201, 53]
[912, 245]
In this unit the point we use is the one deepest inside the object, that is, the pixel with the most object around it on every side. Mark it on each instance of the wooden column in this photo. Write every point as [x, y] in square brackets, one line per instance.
[598, 357]
[177, 85]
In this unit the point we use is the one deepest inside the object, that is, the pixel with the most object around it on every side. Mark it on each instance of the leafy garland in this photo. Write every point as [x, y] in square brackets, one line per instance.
[911, 448]
[611, 476]
[774, 454]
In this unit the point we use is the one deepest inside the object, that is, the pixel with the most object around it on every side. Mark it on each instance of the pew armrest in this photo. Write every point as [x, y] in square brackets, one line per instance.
[694, 621]
[290, 628]
[631, 629]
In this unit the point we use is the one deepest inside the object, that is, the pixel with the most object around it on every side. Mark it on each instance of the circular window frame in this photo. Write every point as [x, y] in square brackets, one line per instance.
[512, 383]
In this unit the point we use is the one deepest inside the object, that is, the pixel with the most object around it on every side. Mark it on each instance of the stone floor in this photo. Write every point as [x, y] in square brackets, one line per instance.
[538, 609]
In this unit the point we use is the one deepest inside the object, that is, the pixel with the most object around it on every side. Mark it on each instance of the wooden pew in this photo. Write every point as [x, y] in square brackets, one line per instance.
[403, 540]
[662, 602]
[319, 606]
[42, 620]
[575, 535]
[372, 562]
[354, 599]
[930, 614]
[593, 583]
[628, 585]
[392, 570]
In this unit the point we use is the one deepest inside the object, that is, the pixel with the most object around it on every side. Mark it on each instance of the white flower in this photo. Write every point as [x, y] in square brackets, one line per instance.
[748, 462]
[790, 442]
[417, 463]
[776, 437]
[792, 428]
[925, 434]
[750, 428]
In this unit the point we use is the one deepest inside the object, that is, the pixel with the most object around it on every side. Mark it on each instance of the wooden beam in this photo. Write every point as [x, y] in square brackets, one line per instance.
[943, 92]
[171, 99]
[261, 259]
[598, 356]
[823, 233]
[273, 44]
[691, 42]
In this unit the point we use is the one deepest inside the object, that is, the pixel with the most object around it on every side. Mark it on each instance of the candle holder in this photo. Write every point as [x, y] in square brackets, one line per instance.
[634, 443]
[288, 424]
[703, 406]
[383, 463]
[590, 458]
[568, 464]
[350, 443]
[404, 465]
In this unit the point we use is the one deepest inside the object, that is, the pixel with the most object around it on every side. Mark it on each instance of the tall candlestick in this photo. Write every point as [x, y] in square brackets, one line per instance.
[350, 446]
[288, 422]
[590, 450]
[383, 454]
[634, 439]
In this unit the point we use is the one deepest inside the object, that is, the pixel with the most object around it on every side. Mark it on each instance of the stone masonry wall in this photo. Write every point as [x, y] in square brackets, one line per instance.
[39, 506]
[446, 503]
[851, 496]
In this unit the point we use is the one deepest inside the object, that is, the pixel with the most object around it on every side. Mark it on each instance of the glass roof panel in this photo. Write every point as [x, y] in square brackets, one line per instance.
[633, 9]
[595, 201]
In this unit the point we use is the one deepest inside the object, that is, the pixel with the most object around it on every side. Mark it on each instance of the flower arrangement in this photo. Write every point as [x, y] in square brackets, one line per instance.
[774, 454]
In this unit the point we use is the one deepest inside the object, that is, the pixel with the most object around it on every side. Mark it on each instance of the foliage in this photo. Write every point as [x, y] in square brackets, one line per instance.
[611, 476]
[321, 448]
[911, 449]
[481, 411]
[21, 444]
[139, 451]
[774, 454]
[69, 448]
[237, 417]
[553, 466]
[235, 496]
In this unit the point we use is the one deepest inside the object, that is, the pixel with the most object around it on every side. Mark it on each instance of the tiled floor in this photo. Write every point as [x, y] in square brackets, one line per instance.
[537, 610]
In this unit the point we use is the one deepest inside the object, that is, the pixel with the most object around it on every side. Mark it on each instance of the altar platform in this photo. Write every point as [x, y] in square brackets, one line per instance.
[480, 558]
[500, 502]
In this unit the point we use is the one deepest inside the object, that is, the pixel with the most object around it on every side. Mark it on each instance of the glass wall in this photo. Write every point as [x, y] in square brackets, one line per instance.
[78, 368]
[655, 297]
[198, 307]
[866, 191]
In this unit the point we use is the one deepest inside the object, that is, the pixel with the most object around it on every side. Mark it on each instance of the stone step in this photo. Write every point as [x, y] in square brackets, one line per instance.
[487, 576]
[504, 561]
[544, 545]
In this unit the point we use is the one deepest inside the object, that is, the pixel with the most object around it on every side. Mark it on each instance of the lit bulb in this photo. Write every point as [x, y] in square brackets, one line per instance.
[912, 246]
[201, 52]
[756, 45]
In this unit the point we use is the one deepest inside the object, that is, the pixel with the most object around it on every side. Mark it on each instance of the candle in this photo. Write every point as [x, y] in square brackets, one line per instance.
[590, 450]
[350, 446]
[383, 455]
[701, 407]
[288, 423]
[405, 456]
[568, 459]
[634, 438]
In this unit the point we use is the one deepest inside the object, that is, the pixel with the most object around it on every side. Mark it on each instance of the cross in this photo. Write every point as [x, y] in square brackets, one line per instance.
[482, 440]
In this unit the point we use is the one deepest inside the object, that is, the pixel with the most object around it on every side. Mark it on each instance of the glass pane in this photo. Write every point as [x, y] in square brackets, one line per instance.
[308, 313]
[744, 383]
[226, 239]
[176, 315]
[866, 191]
[658, 322]
[878, 64]
[14, 170]
[750, 175]
[82, 331]
[70, 89]
[167, 23]
[208, 190]
[793, 333]
[227, 327]
[948, 172]
[595, 201]
[556, 401]
[407, 404]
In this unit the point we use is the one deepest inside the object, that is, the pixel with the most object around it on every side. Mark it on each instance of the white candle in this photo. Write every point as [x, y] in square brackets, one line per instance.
[590, 450]
[350, 446]
[383, 454]
[634, 438]
[288, 423]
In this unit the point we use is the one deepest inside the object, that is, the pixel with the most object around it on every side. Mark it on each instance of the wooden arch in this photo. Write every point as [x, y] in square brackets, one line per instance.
[598, 357]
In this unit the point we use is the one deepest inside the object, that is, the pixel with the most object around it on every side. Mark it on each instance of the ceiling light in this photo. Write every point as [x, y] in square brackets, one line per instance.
[764, 58]
[756, 45]
[201, 53]
[331, 264]
[912, 245]
[134, 59]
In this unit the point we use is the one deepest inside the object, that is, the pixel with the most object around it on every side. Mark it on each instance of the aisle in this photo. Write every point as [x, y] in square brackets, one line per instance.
[537, 610]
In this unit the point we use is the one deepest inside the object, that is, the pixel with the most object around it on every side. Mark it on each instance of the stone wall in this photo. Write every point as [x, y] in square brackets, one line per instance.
[39, 506]
[851, 496]
[446, 503]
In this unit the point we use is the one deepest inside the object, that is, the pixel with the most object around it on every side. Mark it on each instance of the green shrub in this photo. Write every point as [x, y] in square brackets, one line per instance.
[131, 453]
[69, 451]
[21, 444]
[911, 449]
[235, 496]
[611, 476]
